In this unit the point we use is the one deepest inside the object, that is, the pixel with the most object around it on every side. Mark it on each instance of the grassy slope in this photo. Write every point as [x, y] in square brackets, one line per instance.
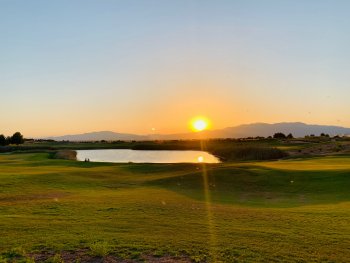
[293, 210]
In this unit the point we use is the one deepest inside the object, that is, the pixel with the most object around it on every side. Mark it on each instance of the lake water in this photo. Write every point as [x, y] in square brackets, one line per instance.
[145, 156]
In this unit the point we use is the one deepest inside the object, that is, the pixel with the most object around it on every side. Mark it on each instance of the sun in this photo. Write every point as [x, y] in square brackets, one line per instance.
[199, 124]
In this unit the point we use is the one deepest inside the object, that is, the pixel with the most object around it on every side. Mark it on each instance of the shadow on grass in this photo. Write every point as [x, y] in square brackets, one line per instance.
[262, 187]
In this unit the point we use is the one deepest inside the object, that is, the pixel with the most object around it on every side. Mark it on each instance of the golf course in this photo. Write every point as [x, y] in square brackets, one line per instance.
[183, 131]
[286, 210]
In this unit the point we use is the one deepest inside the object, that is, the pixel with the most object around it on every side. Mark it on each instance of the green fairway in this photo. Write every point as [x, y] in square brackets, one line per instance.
[290, 210]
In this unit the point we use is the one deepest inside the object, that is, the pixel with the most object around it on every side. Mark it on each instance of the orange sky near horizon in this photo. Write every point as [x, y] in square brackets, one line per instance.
[225, 101]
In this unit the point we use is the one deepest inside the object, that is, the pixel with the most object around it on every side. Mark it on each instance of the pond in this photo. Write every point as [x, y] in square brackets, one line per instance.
[145, 156]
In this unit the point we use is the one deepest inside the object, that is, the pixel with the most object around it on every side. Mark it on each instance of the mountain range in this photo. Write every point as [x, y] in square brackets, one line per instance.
[298, 129]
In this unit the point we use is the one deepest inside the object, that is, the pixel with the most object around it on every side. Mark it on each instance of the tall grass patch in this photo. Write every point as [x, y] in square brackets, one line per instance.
[247, 152]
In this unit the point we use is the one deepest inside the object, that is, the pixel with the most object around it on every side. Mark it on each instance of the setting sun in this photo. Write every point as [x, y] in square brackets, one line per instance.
[199, 124]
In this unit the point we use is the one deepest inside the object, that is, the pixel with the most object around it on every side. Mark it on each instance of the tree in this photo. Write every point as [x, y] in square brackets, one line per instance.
[290, 136]
[8, 140]
[17, 138]
[2, 140]
[279, 135]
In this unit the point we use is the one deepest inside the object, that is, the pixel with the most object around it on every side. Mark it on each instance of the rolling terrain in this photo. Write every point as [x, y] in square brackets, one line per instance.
[293, 210]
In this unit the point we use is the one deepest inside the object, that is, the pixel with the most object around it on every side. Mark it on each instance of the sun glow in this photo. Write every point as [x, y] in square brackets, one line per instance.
[199, 124]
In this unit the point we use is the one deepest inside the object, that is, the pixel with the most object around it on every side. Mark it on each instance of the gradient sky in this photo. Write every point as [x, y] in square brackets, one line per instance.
[130, 66]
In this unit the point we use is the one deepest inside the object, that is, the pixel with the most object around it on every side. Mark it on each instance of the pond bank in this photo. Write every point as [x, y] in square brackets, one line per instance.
[65, 155]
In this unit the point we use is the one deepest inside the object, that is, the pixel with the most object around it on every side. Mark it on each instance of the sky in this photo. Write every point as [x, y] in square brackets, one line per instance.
[74, 66]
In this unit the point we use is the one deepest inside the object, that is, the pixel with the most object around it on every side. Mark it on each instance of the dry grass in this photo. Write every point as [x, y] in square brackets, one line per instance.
[65, 155]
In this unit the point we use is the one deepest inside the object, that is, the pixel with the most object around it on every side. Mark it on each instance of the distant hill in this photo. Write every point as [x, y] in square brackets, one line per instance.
[298, 129]
[101, 135]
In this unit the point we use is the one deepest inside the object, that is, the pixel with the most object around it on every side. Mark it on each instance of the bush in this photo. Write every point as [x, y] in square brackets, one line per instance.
[279, 135]
[290, 136]
[17, 138]
[2, 140]
[100, 248]
[248, 152]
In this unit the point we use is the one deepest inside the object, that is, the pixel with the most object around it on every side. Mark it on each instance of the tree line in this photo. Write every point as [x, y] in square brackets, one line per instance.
[16, 138]
[281, 135]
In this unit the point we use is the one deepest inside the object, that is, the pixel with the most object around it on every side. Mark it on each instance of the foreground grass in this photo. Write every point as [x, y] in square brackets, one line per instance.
[291, 210]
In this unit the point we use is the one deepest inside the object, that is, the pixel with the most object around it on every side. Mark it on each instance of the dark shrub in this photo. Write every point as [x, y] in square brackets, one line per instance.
[279, 135]
[290, 136]
[17, 138]
[248, 152]
[2, 140]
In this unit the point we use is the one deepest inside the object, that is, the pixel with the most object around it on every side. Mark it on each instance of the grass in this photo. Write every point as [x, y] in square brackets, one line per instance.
[290, 210]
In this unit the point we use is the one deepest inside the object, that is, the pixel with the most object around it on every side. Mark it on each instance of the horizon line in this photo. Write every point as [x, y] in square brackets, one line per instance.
[179, 133]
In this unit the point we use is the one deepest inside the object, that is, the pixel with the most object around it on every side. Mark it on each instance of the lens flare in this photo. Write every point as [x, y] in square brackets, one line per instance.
[213, 244]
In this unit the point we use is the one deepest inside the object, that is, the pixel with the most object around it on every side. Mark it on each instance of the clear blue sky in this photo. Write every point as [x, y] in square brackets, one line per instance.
[130, 66]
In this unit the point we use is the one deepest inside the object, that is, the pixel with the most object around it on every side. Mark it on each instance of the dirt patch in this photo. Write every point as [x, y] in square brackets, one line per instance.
[166, 259]
[83, 256]
[323, 149]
